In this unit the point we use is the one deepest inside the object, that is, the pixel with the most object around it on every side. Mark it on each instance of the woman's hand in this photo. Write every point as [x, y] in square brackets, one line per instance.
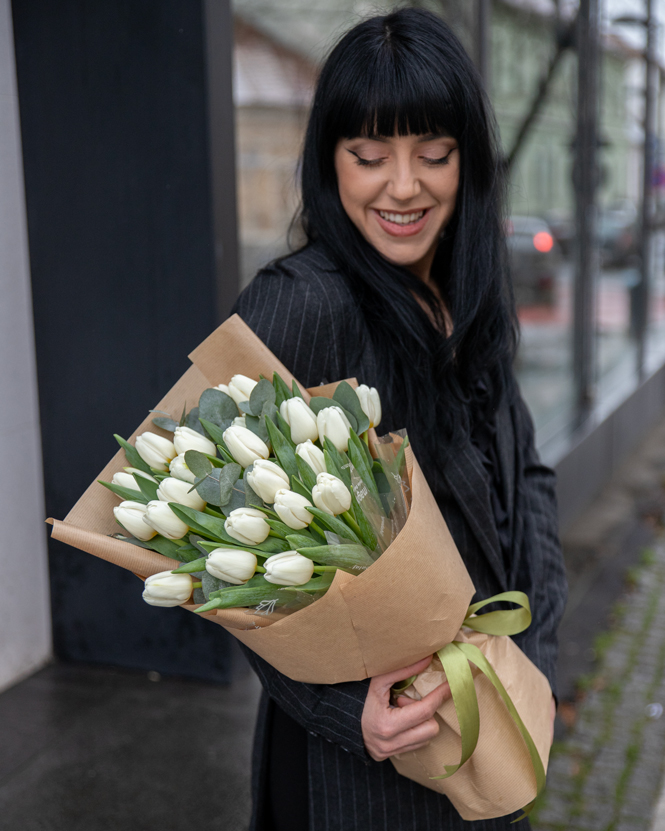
[388, 730]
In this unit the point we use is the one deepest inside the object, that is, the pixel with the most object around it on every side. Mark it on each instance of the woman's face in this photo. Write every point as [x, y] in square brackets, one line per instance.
[400, 193]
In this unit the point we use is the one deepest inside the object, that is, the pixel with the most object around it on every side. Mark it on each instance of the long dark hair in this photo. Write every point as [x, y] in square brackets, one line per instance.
[406, 72]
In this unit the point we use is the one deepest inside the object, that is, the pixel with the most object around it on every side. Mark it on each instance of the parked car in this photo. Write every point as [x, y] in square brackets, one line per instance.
[618, 235]
[534, 256]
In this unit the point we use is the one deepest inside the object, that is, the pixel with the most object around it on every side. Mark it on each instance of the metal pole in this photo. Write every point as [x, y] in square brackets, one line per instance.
[585, 180]
[643, 288]
[483, 34]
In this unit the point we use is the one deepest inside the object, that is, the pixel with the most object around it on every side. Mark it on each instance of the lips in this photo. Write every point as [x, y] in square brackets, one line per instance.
[401, 228]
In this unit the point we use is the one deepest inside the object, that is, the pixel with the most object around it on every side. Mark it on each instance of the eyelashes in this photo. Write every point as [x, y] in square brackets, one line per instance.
[376, 162]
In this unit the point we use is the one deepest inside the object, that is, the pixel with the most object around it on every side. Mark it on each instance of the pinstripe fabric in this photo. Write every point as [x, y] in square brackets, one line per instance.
[304, 312]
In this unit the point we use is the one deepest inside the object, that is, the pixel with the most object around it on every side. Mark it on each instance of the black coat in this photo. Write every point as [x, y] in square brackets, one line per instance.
[304, 312]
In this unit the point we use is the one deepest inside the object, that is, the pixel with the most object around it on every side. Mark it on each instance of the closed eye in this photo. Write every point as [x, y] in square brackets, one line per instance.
[443, 160]
[365, 162]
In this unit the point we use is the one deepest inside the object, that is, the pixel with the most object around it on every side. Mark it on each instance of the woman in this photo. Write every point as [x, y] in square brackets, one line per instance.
[403, 284]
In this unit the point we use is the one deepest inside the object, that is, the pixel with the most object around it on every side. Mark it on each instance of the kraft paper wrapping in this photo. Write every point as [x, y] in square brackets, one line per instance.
[498, 778]
[405, 606]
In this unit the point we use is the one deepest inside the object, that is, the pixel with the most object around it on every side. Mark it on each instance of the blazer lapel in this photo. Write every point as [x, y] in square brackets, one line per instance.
[467, 480]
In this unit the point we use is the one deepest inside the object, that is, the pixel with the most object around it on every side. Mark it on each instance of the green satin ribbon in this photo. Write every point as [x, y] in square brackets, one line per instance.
[456, 658]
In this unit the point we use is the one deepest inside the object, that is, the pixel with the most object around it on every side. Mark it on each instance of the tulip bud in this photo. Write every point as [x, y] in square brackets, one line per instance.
[266, 478]
[239, 421]
[291, 508]
[179, 470]
[247, 525]
[175, 490]
[159, 516]
[300, 419]
[333, 424]
[331, 495]
[155, 450]
[245, 447]
[240, 388]
[166, 589]
[314, 457]
[231, 564]
[288, 569]
[130, 516]
[370, 403]
[184, 439]
[126, 480]
[222, 388]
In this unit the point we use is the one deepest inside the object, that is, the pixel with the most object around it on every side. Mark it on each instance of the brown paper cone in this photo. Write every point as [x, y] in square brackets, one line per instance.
[404, 607]
[498, 778]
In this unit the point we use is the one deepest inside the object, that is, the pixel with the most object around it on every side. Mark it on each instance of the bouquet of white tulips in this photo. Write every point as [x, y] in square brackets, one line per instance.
[266, 497]
[259, 489]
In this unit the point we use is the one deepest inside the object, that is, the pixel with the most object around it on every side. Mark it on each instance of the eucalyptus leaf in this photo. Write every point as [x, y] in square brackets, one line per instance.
[245, 408]
[208, 488]
[192, 421]
[282, 391]
[270, 411]
[237, 498]
[348, 399]
[228, 477]
[126, 494]
[132, 454]
[165, 423]
[198, 463]
[217, 407]
[282, 448]
[198, 597]
[211, 584]
[262, 394]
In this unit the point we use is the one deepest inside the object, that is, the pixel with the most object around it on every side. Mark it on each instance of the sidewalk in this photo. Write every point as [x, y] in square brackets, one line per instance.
[606, 774]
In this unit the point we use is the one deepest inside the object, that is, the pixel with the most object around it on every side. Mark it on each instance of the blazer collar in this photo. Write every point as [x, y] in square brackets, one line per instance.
[467, 480]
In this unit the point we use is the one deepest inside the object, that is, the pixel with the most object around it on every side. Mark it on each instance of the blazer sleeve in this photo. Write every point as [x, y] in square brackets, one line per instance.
[300, 317]
[541, 564]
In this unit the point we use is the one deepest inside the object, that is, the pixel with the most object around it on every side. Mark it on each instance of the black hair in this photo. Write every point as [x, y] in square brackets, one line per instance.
[406, 72]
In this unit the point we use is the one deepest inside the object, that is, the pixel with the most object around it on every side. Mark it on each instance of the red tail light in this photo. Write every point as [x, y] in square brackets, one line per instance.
[543, 242]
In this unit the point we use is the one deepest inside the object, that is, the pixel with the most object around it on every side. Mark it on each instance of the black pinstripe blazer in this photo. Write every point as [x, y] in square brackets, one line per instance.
[305, 313]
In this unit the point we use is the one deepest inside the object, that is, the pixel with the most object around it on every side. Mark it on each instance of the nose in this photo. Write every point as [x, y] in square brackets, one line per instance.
[404, 183]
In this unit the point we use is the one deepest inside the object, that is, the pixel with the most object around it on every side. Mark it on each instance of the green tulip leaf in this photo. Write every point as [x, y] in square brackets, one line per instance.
[269, 410]
[208, 526]
[148, 488]
[306, 474]
[334, 524]
[358, 459]
[282, 391]
[217, 407]
[132, 454]
[189, 552]
[279, 527]
[262, 394]
[267, 596]
[300, 539]
[215, 432]
[252, 499]
[192, 421]
[284, 429]
[380, 478]
[319, 403]
[331, 467]
[165, 423]
[126, 494]
[282, 448]
[298, 487]
[191, 567]
[226, 456]
[352, 557]
[366, 531]
[340, 460]
[296, 390]
[163, 546]
[198, 463]
[258, 427]
[348, 399]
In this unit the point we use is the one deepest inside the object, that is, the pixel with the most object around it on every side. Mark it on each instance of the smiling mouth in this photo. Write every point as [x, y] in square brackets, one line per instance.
[402, 219]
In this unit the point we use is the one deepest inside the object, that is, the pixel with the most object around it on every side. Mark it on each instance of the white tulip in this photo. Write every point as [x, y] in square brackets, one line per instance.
[160, 517]
[333, 424]
[370, 403]
[288, 569]
[155, 450]
[240, 388]
[300, 419]
[175, 490]
[239, 421]
[331, 495]
[222, 388]
[130, 516]
[184, 439]
[291, 508]
[232, 565]
[179, 470]
[166, 589]
[125, 479]
[245, 447]
[247, 525]
[313, 456]
[266, 478]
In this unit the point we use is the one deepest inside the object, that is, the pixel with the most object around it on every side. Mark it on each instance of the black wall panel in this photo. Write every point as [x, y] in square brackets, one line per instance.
[112, 98]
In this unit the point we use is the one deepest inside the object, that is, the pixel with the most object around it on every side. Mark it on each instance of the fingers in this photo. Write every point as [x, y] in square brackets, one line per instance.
[406, 741]
[383, 683]
[407, 716]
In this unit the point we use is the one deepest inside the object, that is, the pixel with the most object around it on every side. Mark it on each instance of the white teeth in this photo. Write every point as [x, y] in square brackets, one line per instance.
[402, 219]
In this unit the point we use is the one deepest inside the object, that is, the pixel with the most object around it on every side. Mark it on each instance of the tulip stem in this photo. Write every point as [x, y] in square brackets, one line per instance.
[350, 521]
[322, 569]
[318, 529]
[260, 569]
[365, 437]
[210, 512]
[196, 585]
